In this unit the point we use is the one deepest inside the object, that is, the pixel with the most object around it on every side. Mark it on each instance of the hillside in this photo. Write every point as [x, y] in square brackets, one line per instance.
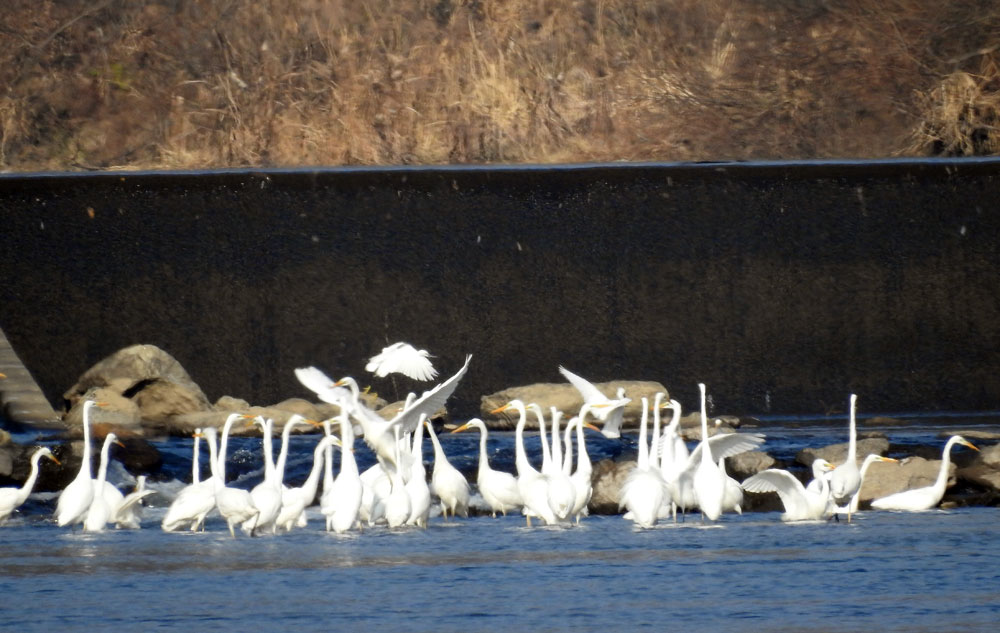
[214, 83]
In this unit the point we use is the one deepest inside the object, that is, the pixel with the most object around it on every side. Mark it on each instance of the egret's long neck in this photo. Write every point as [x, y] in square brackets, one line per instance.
[312, 481]
[218, 475]
[557, 454]
[852, 446]
[195, 466]
[484, 459]
[942, 478]
[583, 461]
[438, 451]
[546, 454]
[85, 465]
[706, 448]
[567, 464]
[327, 459]
[279, 466]
[269, 470]
[102, 469]
[29, 483]
[524, 467]
[347, 462]
[643, 459]
[654, 445]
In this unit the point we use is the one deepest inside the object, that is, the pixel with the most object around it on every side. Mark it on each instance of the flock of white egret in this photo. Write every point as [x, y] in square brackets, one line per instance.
[667, 477]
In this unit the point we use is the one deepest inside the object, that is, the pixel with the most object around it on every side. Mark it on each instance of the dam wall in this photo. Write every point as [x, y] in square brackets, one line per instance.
[783, 286]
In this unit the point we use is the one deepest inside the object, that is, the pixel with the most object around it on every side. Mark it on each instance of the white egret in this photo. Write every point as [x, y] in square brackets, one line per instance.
[378, 432]
[294, 501]
[416, 486]
[105, 501]
[846, 479]
[193, 503]
[447, 482]
[611, 411]
[643, 490]
[498, 488]
[801, 504]
[865, 465]
[397, 506]
[234, 504]
[581, 477]
[402, 358]
[532, 484]
[920, 499]
[12, 498]
[123, 509]
[128, 512]
[266, 495]
[74, 500]
[561, 493]
[341, 500]
[709, 482]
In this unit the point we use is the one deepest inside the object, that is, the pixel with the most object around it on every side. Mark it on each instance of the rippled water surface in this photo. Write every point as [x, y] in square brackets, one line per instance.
[934, 571]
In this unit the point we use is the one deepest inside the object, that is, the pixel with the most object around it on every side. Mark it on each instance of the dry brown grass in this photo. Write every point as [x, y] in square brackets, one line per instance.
[203, 83]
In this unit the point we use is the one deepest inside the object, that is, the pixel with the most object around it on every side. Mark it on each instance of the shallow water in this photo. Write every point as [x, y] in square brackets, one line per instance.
[893, 572]
[887, 571]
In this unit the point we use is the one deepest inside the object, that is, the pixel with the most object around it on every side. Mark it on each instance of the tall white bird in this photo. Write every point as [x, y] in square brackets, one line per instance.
[533, 485]
[447, 482]
[709, 481]
[402, 358]
[581, 477]
[13, 498]
[608, 410]
[562, 494]
[104, 502]
[846, 479]
[801, 503]
[234, 504]
[643, 490]
[266, 495]
[397, 503]
[498, 488]
[920, 499]
[865, 465]
[416, 486]
[341, 500]
[732, 498]
[378, 432]
[193, 503]
[294, 501]
[74, 501]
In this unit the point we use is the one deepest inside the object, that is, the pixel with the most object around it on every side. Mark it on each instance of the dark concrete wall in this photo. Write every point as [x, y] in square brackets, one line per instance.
[783, 287]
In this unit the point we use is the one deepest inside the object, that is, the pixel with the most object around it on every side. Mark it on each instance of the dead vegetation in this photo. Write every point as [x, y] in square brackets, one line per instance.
[210, 83]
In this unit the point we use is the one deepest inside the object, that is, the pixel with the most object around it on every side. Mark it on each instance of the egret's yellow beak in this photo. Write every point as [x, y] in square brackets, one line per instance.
[461, 428]
[591, 427]
[970, 445]
[500, 409]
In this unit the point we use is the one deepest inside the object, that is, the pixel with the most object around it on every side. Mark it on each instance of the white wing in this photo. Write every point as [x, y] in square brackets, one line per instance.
[790, 489]
[589, 392]
[726, 445]
[321, 384]
[428, 403]
[402, 358]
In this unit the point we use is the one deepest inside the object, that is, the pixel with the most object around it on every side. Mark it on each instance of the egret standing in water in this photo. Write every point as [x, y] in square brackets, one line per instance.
[920, 499]
[12, 498]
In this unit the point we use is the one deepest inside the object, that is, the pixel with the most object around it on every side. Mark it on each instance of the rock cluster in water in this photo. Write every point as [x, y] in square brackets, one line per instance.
[148, 394]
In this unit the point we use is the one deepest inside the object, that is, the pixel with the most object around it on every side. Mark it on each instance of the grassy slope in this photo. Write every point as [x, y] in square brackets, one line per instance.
[200, 83]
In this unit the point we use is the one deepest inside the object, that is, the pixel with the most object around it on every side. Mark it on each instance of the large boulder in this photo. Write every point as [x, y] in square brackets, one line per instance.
[607, 480]
[567, 399]
[984, 469]
[150, 378]
[837, 453]
[747, 464]
[886, 478]
[117, 411]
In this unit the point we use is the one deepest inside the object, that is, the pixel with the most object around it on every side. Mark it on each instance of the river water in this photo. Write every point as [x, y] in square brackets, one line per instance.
[933, 571]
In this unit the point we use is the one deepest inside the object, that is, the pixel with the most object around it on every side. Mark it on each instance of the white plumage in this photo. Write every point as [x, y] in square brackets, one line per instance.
[402, 358]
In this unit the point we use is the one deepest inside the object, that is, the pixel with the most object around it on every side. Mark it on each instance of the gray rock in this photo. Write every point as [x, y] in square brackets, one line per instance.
[886, 478]
[567, 399]
[607, 480]
[747, 464]
[151, 378]
[837, 453]
[119, 412]
[984, 469]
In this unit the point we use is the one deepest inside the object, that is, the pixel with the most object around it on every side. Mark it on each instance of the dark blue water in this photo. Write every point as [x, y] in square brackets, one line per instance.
[888, 571]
